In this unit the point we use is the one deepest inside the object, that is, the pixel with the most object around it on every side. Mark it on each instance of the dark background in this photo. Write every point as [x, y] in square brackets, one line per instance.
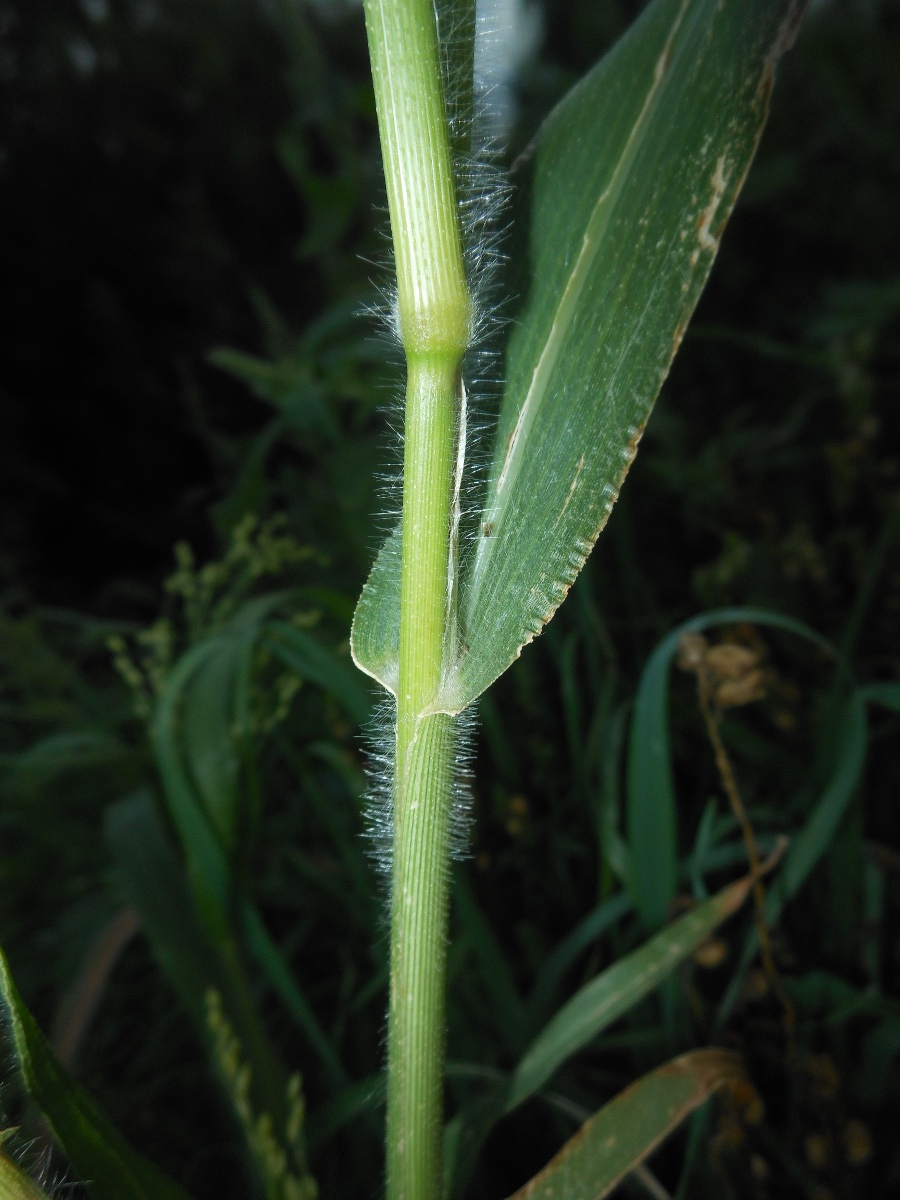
[191, 223]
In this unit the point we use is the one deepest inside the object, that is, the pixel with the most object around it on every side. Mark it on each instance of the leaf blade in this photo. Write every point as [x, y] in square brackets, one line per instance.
[612, 993]
[622, 241]
[623, 1133]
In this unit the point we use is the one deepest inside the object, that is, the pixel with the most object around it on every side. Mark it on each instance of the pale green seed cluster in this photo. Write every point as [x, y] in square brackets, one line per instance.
[210, 594]
[206, 597]
[273, 1156]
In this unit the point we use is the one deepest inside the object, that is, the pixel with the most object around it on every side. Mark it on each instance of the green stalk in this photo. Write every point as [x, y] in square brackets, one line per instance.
[434, 318]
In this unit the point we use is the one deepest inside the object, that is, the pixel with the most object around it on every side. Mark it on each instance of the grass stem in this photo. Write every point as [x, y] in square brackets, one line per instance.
[433, 318]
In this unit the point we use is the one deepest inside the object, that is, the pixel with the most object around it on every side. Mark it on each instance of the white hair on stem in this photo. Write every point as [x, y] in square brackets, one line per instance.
[506, 34]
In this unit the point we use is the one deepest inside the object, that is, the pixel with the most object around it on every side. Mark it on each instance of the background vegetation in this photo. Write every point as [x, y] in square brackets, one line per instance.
[186, 199]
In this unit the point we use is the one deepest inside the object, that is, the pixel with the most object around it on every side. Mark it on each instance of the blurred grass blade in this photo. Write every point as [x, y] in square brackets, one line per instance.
[622, 240]
[362, 1098]
[617, 989]
[207, 705]
[199, 725]
[588, 930]
[209, 868]
[650, 801]
[809, 845]
[457, 33]
[207, 863]
[155, 884]
[496, 976]
[98, 1152]
[622, 1134]
[885, 694]
[270, 958]
[58, 752]
[311, 660]
[464, 1136]
[210, 730]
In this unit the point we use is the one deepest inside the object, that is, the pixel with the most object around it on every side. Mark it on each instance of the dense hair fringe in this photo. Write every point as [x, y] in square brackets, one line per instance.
[379, 738]
[482, 193]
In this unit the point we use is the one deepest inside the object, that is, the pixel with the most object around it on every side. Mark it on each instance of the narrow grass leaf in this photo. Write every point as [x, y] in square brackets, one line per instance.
[270, 958]
[209, 869]
[155, 884]
[39, 763]
[809, 845]
[362, 1098]
[627, 1130]
[207, 862]
[456, 34]
[207, 732]
[617, 989]
[213, 703]
[98, 1152]
[465, 1135]
[496, 976]
[650, 799]
[588, 930]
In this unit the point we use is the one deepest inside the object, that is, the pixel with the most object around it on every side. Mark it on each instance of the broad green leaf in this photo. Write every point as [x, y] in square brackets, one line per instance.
[97, 1150]
[617, 989]
[634, 176]
[651, 805]
[622, 1134]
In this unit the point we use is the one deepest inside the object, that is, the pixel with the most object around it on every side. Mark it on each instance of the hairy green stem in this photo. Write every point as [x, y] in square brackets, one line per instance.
[433, 309]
